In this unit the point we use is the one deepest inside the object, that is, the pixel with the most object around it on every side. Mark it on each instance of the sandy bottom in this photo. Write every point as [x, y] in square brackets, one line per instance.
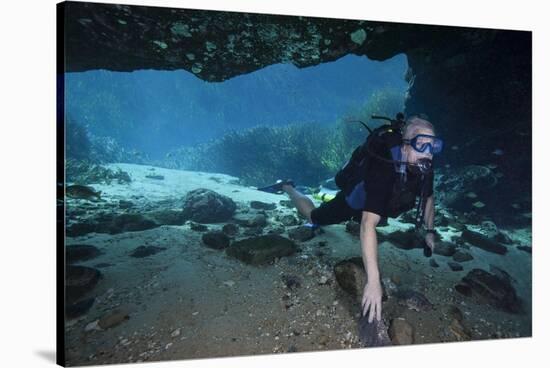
[191, 301]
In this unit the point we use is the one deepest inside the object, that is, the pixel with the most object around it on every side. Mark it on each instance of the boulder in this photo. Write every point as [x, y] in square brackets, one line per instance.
[145, 251]
[129, 222]
[481, 241]
[216, 240]
[455, 266]
[251, 220]
[401, 332]
[414, 300]
[80, 252]
[79, 308]
[230, 229]
[351, 276]
[112, 319]
[491, 289]
[405, 239]
[301, 233]
[444, 248]
[257, 205]
[525, 248]
[261, 249]
[374, 333]
[462, 256]
[79, 280]
[206, 206]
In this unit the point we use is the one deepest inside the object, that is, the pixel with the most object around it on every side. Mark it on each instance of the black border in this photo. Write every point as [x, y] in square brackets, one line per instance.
[60, 184]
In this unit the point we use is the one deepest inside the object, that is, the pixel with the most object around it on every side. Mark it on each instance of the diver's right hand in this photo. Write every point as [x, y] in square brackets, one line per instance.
[372, 299]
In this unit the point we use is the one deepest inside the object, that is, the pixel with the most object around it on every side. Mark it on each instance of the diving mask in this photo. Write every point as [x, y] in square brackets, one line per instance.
[425, 142]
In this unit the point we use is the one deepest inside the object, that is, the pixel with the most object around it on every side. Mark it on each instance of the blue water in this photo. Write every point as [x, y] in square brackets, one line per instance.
[157, 111]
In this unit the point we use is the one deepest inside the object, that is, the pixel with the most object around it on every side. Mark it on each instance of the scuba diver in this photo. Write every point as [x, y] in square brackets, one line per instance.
[383, 178]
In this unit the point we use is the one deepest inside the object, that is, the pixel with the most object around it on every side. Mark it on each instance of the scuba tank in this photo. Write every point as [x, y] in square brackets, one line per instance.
[388, 135]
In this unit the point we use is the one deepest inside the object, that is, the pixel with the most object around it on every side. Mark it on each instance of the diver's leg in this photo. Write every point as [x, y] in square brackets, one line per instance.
[303, 204]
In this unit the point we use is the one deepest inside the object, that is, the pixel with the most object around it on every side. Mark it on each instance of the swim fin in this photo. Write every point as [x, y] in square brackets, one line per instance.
[276, 188]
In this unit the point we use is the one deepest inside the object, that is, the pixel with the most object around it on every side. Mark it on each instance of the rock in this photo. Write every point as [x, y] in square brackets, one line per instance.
[490, 289]
[80, 252]
[350, 275]
[112, 319]
[230, 229]
[444, 248]
[257, 205]
[124, 205]
[401, 332]
[206, 206]
[288, 220]
[82, 192]
[291, 282]
[489, 229]
[80, 228]
[145, 251]
[441, 220]
[252, 231]
[433, 263]
[459, 331]
[175, 333]
[251, 220]
[464, 289]
[131, 222]
[414, 300]
[455, 266]
[92, 326]
[301, 233]
[353, 227]
[374, 333]
[479, 240]
[405, 240]
[452, 312]
[462, 256]
[80, 280]
[79, 308]
[216, 240]
[502, 238]
[501, 274]
[262, 249]
[167, 217]
[525, 248]
[197, 227]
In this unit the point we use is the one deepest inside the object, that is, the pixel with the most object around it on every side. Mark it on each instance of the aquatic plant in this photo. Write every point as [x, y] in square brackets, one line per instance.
[77, 140]
[306, 152]
[86, 172]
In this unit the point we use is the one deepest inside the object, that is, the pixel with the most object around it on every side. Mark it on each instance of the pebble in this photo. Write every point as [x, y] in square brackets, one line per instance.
[176, 333]
[195, 313]
[168, 346]
[92, 326]
[229, 283]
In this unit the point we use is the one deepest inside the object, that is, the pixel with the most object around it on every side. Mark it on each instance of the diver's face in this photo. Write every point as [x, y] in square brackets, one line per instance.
[412, 156]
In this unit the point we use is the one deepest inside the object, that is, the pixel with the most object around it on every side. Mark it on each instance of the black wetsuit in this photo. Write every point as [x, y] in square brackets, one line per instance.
[387, 190]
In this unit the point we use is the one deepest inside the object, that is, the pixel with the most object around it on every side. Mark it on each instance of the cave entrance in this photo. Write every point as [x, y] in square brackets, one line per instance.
[152, 113]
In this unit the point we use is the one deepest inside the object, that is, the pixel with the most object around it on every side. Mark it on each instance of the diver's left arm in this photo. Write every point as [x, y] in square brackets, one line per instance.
[429, 221]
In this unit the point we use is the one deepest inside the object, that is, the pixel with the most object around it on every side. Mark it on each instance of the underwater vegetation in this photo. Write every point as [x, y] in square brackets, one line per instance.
[307, 152]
